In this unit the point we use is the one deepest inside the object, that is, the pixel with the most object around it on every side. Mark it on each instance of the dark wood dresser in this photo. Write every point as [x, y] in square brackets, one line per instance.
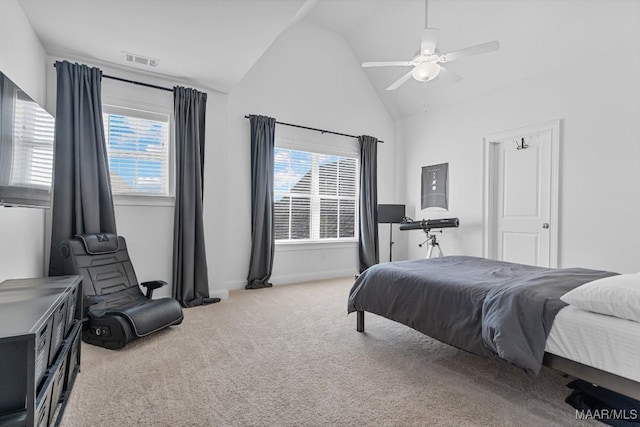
[40, 328]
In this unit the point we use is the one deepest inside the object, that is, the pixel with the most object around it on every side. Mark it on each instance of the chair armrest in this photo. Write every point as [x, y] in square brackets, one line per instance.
[151, 285]
[154, 284]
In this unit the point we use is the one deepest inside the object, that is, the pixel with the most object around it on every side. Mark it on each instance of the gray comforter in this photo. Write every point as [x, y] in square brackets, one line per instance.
[491, 308]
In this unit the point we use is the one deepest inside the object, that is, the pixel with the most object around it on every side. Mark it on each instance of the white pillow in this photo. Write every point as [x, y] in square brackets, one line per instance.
[617, 296]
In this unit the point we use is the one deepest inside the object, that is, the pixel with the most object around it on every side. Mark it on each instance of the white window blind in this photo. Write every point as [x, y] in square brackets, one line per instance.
[138, 150]
[315, 195]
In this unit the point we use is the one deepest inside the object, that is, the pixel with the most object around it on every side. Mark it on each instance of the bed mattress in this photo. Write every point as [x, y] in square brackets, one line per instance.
[604, 342]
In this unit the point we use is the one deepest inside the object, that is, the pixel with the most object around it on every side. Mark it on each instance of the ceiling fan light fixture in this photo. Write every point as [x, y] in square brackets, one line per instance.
[426, 71]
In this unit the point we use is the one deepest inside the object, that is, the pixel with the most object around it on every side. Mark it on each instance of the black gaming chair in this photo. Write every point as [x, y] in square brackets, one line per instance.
[115, 309]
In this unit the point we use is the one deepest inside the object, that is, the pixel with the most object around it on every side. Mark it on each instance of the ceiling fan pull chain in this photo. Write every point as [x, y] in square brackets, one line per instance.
[424, 99]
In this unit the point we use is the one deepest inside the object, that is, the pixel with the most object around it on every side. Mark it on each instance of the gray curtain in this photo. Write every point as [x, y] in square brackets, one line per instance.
[262, 232]
[82, 201]
[190, 274]
[368, 206]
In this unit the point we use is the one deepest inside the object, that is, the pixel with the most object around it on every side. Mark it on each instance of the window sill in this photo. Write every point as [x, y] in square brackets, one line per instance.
[298, 245]
[140, 200]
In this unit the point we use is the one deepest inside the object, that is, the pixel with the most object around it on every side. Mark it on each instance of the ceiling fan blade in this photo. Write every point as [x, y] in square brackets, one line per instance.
[448, 75]
[400, 81]
[429, 40]
[387, 64]
[470, 51]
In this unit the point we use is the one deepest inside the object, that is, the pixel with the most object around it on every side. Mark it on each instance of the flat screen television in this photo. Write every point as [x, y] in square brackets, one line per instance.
[26, 148]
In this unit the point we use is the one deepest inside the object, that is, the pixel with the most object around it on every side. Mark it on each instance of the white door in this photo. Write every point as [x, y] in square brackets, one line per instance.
[522, 211]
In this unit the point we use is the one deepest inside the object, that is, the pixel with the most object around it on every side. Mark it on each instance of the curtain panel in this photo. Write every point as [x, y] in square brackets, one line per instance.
[190, 274]
[262, 231]
[368, 207]
[82, 201]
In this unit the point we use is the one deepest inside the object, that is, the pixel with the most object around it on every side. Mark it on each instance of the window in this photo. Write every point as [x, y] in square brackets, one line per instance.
[315, 195]
[138, 150]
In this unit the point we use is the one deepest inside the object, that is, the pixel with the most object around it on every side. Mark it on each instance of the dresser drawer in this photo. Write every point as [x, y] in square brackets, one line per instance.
[72, 359]
[57, 331]
[72, 301]
[43, 406]
[58, 385]
[43, 344]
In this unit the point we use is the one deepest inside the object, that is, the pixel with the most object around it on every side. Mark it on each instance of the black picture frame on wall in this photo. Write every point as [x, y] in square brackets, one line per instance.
[435, 186]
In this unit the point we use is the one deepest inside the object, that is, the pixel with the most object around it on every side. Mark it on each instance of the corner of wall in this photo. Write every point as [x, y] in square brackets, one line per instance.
[22, 57]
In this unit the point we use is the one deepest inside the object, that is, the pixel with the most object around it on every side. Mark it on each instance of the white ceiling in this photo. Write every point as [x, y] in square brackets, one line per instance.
[216, 42]
[213, 43]
[345, 16]
[536, 36]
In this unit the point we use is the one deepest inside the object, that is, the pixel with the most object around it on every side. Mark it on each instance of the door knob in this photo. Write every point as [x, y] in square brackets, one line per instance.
[545, 225]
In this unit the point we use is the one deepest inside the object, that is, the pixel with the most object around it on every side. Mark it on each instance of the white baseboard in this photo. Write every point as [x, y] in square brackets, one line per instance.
[309, 277]
[219, 293]
[236, 284]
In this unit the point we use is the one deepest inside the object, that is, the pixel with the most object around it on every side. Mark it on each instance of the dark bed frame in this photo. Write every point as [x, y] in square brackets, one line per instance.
[602, 378]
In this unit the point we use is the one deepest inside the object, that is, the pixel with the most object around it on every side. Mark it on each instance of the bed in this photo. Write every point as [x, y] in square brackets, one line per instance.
[507, 311]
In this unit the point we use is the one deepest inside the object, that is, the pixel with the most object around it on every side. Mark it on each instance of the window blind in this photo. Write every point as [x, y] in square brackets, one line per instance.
[315, 195]
[138, 151]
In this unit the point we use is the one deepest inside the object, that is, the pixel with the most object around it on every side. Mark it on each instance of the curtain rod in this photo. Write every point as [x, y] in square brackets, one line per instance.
[137, 83]
[316, 129]
[133, 82]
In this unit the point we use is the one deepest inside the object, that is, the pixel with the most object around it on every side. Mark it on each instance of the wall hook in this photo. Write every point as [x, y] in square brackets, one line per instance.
[521, 145]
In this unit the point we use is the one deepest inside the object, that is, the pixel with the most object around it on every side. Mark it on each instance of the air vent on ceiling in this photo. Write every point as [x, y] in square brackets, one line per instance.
[142, 60]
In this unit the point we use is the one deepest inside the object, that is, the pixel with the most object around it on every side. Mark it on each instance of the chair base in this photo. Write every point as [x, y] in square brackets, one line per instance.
[112, 332]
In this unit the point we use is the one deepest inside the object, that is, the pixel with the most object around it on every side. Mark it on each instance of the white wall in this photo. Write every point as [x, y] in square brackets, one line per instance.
[597, 100]
[334, 95]
[310, 77]
[22, 59]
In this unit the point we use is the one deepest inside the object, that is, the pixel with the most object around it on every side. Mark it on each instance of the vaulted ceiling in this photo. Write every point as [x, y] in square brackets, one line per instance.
[536, 37]
[215, 43]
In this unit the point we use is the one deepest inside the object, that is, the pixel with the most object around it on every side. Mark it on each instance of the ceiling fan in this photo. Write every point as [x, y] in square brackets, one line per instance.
[428, 62]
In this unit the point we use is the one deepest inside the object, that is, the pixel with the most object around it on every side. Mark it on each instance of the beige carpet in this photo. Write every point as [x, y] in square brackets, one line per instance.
[290, 356]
